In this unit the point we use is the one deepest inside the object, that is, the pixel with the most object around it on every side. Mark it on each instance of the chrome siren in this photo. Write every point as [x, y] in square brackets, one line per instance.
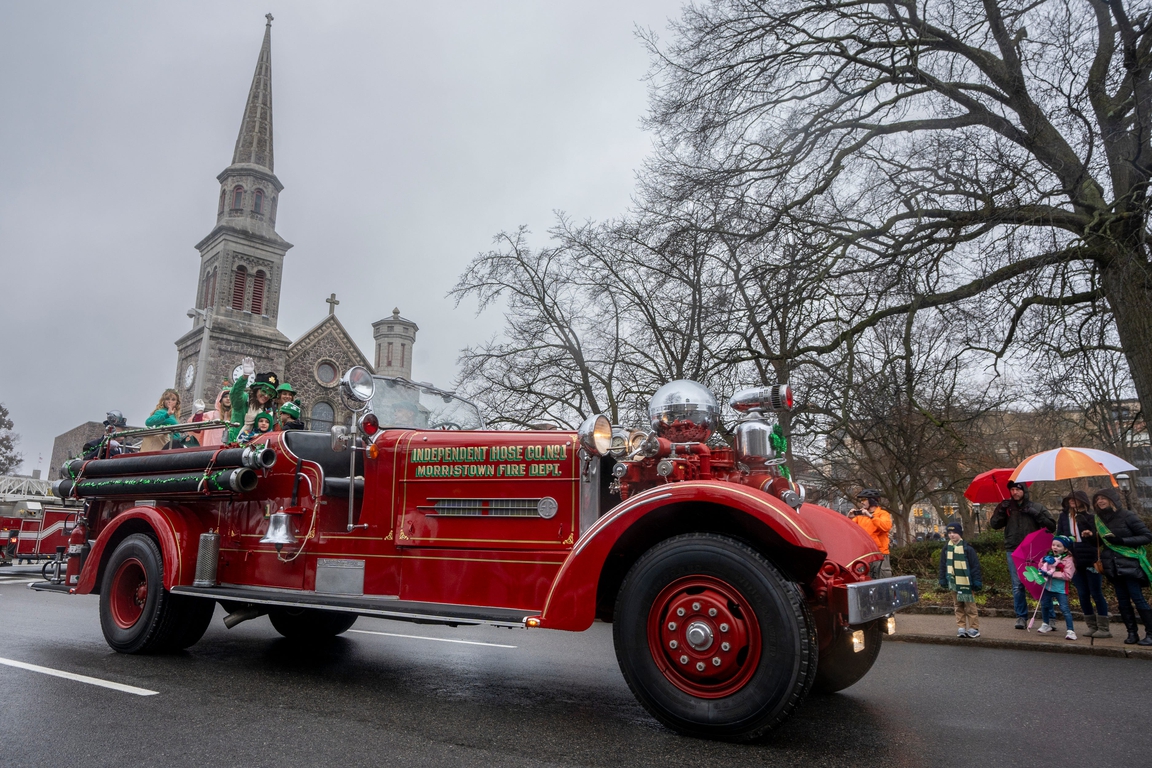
[684, 411]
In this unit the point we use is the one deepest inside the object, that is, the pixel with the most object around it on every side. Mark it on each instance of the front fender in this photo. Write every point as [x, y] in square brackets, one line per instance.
[178, 535]
[571, 602]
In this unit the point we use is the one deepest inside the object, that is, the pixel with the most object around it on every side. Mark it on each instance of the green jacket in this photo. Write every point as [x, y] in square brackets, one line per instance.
[243, 412]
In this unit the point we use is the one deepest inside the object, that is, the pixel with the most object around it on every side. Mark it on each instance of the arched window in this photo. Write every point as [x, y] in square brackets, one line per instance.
[258, 201]
[239, 286]
[210, 288]
[223, 195]
[323, 416]
[258, 293]
[237, 198]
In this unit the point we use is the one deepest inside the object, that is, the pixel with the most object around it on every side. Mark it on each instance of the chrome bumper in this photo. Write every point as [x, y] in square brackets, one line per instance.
[870, 600]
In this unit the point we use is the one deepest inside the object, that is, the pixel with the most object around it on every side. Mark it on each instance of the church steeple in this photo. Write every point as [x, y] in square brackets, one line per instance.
[242, 258]
[254, 143]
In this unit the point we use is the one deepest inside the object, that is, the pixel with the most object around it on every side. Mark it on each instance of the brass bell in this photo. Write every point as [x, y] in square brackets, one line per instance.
[279, 531]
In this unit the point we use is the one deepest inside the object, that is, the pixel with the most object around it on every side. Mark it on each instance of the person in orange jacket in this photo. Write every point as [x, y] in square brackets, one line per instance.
[876, 522]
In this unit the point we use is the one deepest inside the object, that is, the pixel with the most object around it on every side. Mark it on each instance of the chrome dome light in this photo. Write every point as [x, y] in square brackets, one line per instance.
[684, 411]
[596, 435]
[357, 384]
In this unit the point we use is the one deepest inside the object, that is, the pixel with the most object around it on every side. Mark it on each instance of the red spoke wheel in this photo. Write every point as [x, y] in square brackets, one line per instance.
[704, 636]
[137, 615]
[129, 593]
[712, 639]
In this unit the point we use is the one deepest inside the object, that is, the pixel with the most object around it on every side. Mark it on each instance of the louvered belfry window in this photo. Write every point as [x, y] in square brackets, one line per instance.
[258, 293]
[237, 198]
[239, 285]
[258, 201]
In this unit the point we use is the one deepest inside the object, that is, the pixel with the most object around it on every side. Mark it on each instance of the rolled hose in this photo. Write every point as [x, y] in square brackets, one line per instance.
[234, 480]
[253, 457]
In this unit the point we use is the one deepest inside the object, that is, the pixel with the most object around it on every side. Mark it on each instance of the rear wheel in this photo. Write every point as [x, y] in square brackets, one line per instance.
[310, 623]
[711, 639]
[137, 615]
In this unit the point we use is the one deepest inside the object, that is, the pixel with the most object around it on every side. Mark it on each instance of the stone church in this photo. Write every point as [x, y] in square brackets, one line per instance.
[238, 293]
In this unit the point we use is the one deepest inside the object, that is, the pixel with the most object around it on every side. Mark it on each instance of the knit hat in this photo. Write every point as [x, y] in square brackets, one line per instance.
[1013, 484]
[954, 528]
[291, 409]
[256, 421]
[1065, 540]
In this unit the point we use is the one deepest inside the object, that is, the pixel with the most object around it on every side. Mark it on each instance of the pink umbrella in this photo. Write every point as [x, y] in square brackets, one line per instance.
[1029, 553]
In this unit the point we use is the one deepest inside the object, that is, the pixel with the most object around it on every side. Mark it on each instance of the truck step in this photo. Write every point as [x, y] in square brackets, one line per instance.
[382, 607]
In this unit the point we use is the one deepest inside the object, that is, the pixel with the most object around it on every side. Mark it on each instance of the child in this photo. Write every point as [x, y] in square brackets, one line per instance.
[960, 572]
[1057, 565]
[288, 417]
[262, 424]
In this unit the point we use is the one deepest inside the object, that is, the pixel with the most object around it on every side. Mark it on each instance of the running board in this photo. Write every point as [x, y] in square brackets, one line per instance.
[376, 607]
[47, 586]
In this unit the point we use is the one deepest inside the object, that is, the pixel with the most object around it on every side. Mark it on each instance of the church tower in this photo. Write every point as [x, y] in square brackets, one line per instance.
[241, 259]
[394, 337]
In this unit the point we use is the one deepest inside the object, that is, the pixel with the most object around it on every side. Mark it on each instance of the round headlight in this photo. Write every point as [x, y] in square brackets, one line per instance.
[369, 424]
[357, 384]
[596, 435]
[684, 411]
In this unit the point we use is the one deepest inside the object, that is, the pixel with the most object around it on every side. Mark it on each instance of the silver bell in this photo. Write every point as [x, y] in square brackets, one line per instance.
[279, 531]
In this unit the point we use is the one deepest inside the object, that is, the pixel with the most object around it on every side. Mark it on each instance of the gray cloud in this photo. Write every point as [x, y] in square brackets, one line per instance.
[407, 134]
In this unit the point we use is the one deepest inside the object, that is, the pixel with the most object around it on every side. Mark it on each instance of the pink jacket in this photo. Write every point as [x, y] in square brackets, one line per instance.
[212, 437]
[1062, 569]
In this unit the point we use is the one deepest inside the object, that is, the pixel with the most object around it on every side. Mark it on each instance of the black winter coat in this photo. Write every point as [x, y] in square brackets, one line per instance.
[973, 559]
[1020, 518]
[1130, 532]
[1084, 553]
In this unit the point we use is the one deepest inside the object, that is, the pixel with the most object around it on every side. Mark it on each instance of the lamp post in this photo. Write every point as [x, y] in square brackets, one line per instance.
[202, 358]
[1125, 485]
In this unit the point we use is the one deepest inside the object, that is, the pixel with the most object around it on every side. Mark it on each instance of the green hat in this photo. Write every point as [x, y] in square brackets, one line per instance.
[285, 387]
[263, 415]
[291, 409]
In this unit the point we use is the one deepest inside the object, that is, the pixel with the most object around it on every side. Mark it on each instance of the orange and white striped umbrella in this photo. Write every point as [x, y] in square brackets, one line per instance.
[1066, 463]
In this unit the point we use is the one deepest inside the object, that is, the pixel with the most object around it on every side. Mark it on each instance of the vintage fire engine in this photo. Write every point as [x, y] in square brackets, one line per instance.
[730, 597]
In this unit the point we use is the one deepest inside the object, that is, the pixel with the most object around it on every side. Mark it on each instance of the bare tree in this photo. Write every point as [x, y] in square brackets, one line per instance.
[10, 458]
[559, 358]
[952, 151]
[901, 416]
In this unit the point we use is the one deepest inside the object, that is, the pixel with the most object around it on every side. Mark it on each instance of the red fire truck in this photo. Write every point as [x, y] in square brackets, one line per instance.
[35, 531]
[730, 597]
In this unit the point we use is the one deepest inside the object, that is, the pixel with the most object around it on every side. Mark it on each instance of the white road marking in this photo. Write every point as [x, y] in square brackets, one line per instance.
[79, 678]
[437, 639]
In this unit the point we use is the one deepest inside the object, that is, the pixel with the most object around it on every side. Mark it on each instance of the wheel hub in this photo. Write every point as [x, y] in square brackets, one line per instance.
[704, 636]
[129, 593]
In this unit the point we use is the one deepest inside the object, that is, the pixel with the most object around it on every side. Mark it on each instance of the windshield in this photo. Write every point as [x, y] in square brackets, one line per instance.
[400, 403]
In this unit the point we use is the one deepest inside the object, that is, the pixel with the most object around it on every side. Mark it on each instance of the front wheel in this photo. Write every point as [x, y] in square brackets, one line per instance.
[841, 665]
[711, 639]
[309, 623]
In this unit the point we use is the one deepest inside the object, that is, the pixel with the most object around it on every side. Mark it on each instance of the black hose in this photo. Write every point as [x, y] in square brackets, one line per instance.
[255, 457]
[234, 480]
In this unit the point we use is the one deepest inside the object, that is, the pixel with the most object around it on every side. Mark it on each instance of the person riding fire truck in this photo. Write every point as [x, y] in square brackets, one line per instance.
[730, 596]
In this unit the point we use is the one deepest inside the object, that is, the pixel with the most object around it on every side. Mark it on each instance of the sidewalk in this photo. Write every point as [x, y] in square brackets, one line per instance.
[998, 632]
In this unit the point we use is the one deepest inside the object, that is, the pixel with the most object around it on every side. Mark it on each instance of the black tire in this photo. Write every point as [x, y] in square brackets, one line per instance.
[840, 666]
[769, 691]
[310, 624]
[159, 620]
[195, 616]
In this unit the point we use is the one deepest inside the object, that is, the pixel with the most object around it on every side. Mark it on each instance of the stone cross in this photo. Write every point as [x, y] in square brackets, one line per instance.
[332, 301]
[269, 17]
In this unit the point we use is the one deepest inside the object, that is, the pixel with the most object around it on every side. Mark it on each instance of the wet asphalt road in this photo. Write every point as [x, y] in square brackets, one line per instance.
[247, 697]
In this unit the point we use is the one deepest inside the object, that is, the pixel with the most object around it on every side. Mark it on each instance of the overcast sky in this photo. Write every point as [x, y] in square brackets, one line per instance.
[406, 136]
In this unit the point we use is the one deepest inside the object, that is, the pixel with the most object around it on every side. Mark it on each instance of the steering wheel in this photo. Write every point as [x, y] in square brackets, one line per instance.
[446, 425]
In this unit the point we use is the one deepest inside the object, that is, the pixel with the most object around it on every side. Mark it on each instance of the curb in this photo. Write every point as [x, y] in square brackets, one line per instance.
[995, 613]
[1023, 645]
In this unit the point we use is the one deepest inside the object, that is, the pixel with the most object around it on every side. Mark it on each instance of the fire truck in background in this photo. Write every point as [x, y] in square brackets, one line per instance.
[730, 596]
[36, 532]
